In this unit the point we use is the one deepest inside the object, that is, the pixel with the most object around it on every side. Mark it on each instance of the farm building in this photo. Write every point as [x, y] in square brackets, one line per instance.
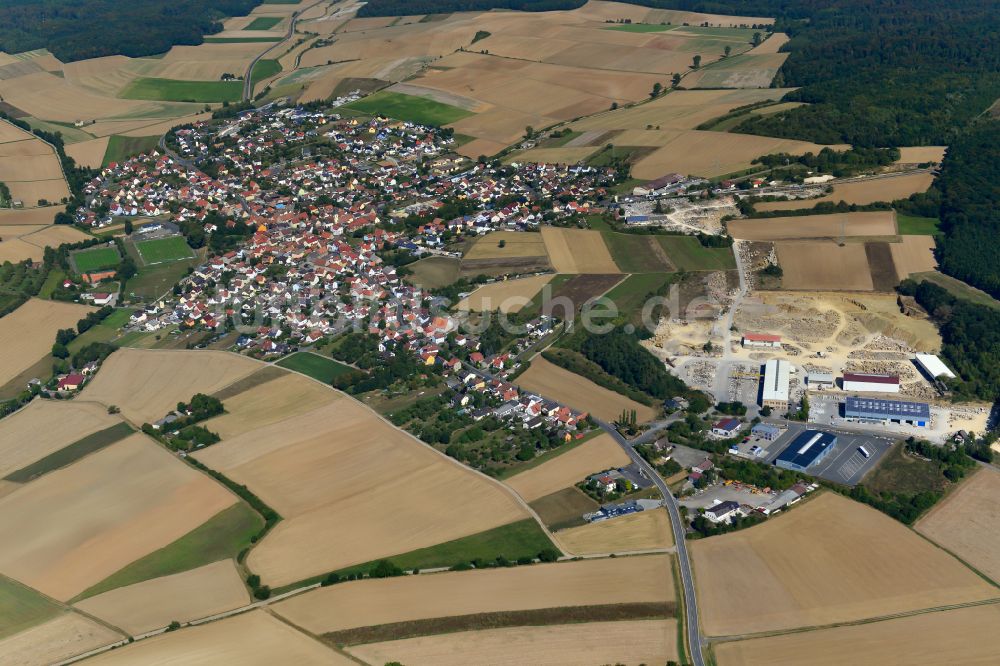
[722, 512]
[766, 431]
[932, 366]
[806, 450]
[761, 340]
[775, 393]
[71, 382]
[726, 427]
[871, 410]
[820, 380]
[870, 383]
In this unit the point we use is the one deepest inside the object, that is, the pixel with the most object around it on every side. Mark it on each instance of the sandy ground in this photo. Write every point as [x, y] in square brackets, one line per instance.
[578, 392]
[146, 384]
[583, 583]
[915, 254]
[67, 635]
[965, 523]
[874, 223]
[829, 560]
[89, 153]
[515, 244]
[587, 644]
[578, 251]
[570, 468]
[863, 192]
[73, 527]
[190, 595]
[506, 296]
[961, 636]
[919, 154]
[645, 530]
[273, 401]
[28, 333]
[818, 265]
[249, 638]
[45, 426]
[353, 489]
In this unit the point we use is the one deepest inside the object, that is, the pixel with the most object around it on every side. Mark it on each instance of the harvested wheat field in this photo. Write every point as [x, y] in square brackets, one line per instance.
[515, 244]
[28, 241]
[45, 426]
[352, 489]
[965, 523]
[28, 333]
[17, 217]
[568, 469]
[89, 153]
[75, 526]
[913, 254]
[186, 596]
[249, 638]
[66, 636]
[965, 636]
[921, 154]
[585, 644]
[578, 392]
[583, 583]
[874, 223]
[829, 560]
[276, 400]
[645, 530]
[506, 296]
[770, 45]
[824, 266]
[863, 192]
[578, 251]
[145, 384]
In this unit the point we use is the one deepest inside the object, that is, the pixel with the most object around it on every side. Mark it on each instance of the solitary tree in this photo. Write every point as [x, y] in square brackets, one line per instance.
[128, 227]
[657, 89]
[757, 39]
[676, 81]
[728, 50]
[529, 132]
[697, 62]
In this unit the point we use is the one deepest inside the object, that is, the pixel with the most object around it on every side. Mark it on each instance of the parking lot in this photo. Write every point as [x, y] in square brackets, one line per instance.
[844, 464]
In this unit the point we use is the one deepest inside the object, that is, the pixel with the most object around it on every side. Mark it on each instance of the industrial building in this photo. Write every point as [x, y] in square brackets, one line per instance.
[766, 431]
[806, 450]
[932, 366]
[761, 340]
[874, 410]
[775, 393]
[870, 383]
[820, 380]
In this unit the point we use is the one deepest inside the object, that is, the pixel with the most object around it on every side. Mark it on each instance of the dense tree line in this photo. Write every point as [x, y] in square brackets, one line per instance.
[94, 28]
[620, 354]
[839, 163]
[414, 7]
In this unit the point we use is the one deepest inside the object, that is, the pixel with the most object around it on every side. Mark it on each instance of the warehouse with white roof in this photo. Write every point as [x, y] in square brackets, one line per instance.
[933, 366]
[775, 393]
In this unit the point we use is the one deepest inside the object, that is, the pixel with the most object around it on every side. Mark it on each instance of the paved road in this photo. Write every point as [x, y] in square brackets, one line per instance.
[248, 76]
[690, 600]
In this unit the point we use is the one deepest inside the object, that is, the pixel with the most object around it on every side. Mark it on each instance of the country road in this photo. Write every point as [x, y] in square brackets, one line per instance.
[690, 600]
[248, 76]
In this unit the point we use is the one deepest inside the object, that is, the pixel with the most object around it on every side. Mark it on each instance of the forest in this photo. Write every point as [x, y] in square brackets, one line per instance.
[80, 29]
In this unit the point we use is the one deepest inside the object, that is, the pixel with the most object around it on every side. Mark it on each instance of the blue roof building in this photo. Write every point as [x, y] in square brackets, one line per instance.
[806, 450]
[887, 411]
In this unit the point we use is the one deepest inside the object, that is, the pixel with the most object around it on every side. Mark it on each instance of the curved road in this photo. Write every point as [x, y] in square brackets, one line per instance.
[247, 77]
[690, 600]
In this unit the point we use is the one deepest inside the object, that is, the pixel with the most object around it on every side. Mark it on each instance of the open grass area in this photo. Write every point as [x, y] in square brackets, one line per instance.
[154, 281]
[265, 69]
[122, 147]
[958, 288]
[564, 508]
[434, 272]
[523, 538]
[106, 331]
[641, 27]
[318, 367]
[687, 254]
[221, 537]
[409, 107]
[173, 90]
[240, 40]
[70, 454]
[21, 607]
[97, 258]
[630, 295]
[161, 250]
[263, 23]
[635, 253]
[52, 282]
[899, 472]
[911, 225]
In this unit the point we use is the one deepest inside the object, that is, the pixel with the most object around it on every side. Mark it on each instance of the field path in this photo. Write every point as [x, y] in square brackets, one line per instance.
[247, 77]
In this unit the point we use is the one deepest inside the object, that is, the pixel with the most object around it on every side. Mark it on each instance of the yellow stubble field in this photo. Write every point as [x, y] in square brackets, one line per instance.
[578, 392]
[578, 251]
[861, 192]
[871, 223]
[75, 526]
[913, 254]
[568, 469]
[506, 295]
[507, 245]
[645, 530]
[29, 331]
[62, 637]
[830, 560]
[352, 489]
[824, 265]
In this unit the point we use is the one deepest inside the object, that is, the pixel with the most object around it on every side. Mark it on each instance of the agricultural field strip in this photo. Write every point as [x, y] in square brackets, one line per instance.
[570, 468]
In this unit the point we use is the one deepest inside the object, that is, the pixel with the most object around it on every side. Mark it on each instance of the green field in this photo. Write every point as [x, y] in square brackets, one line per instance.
[22, 607]
[221, 537]
[52, 282]
[160, 250]
[122, 147]
[173, 90]
[630, 295]
[264, 69]
[434, 272]
[687, 254]
[240, 40]
[154, 281]
[634, 253]
[103, 332]
[957, 288]
[722, 32]
[911, 225]
[71, 453]
[521, 539]
[97, 258]
[409, 107]
[318, 367]
[641, 27]
[263, 23]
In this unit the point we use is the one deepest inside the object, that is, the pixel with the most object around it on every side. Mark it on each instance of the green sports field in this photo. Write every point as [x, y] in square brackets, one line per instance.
[409, 107]
[161, 250]
[173, 90]
[96, 259]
